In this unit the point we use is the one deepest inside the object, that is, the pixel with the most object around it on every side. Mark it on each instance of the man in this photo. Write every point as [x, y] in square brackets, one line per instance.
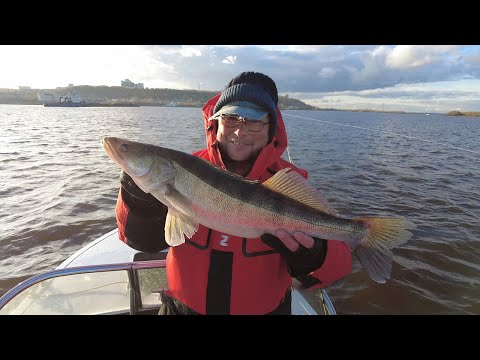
[216, 273]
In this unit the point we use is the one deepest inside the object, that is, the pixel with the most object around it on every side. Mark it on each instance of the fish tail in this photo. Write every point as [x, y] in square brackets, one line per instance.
[374, 250]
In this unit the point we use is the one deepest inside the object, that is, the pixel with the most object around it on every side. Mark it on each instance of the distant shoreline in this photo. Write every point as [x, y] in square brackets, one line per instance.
[450, 113]
[116, 96]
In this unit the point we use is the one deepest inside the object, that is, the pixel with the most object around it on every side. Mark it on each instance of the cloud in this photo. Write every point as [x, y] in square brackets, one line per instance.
[326, 73]
[408, 56]
[190, 51]
[229, 60]
[431, 97]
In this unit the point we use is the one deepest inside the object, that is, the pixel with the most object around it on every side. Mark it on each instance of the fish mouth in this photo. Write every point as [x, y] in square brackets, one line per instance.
[110, 145]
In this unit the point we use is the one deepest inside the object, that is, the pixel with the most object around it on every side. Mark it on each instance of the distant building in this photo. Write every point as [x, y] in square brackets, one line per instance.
[24, 88]
[127, 84]
[131, 85]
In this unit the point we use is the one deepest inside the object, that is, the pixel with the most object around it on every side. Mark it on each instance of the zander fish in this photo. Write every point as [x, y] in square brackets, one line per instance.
[198, 192]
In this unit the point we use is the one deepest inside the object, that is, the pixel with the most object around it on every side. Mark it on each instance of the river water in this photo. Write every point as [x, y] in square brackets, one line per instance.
[58, 191]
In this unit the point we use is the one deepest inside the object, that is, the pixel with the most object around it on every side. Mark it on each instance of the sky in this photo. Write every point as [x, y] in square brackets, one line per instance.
[412, 78]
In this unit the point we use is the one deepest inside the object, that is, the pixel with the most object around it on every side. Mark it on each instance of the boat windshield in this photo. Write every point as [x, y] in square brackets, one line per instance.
[130, 288]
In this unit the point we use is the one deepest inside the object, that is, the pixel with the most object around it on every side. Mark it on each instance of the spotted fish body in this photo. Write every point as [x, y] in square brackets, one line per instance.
[198, 192]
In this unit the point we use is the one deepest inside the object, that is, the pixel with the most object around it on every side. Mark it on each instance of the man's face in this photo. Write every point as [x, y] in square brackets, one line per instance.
[239, 143]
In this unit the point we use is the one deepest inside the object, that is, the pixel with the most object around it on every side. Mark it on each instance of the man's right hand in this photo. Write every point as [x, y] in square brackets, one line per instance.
[135, 194]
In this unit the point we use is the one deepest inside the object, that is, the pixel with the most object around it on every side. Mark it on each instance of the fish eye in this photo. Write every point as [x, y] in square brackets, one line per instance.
[124, 147]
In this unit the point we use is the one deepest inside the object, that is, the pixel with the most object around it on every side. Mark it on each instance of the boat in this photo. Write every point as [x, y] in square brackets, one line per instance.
[107, 277]
[74, 100]
[63, 105]
[69, 100]
[117, 104]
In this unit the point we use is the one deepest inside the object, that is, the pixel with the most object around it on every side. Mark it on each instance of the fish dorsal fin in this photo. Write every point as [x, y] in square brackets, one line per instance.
[176, 226]
[295, 186]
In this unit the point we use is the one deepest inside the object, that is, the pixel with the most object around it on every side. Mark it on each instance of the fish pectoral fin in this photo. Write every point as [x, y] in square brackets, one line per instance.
[180, 217]
[177, 226]
[295, 186]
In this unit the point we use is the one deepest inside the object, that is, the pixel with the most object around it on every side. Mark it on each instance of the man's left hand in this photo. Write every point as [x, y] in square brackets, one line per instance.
[302, 253]
[294, 242]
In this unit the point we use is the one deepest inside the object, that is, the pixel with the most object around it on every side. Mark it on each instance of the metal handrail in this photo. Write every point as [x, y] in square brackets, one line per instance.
[328, 303]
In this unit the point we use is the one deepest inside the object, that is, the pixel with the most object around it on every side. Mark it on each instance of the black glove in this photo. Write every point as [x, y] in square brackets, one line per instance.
[133, 195]
[144, 226]
[303, 260]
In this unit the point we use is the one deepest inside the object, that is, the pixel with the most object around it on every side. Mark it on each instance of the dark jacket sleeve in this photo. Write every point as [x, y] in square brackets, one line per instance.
[140, 219]
[336, 265]
[326, 262]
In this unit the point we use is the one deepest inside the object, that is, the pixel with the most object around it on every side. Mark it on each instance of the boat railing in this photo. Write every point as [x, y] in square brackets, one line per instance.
[115, 288]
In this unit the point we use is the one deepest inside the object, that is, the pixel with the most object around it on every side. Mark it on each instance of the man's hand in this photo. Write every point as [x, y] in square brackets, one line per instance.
[132, 189]
[135, 197]
[302, 253]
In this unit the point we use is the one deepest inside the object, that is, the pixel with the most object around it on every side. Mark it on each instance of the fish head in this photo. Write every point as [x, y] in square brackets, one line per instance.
[130, 156]
[146, 164]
